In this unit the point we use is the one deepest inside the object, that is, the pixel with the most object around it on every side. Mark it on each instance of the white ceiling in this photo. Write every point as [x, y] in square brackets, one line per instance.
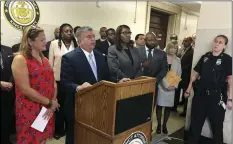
[193, 6]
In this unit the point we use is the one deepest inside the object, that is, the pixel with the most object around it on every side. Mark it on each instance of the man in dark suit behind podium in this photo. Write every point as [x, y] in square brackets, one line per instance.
[80, 69]
[103, 46]
[103, 36]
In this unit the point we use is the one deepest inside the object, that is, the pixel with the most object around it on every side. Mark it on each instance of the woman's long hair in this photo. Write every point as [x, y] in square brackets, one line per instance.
[32, 33]
[118, 36]
[60, 35]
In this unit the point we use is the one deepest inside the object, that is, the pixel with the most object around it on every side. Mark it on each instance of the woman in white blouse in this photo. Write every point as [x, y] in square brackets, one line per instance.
[58, 48]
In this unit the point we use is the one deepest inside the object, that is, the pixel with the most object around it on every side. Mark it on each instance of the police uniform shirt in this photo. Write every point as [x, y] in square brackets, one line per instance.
[213, 70]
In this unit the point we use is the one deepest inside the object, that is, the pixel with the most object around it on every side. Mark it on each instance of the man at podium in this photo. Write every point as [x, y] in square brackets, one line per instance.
[80, 69]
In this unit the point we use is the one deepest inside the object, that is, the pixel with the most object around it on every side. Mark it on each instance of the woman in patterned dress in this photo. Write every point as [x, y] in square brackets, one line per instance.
[35, 88]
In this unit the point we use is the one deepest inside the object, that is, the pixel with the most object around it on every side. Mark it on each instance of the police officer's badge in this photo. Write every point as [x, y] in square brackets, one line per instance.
[205, 59]
[136, 138]
[21, 13]
[218, 62]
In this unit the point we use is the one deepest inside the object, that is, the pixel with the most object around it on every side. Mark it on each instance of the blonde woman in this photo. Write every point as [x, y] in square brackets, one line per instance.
[166, 93]
[35, 88]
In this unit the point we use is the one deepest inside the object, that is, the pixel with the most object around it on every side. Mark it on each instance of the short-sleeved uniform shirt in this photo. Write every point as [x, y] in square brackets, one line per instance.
[214, 70]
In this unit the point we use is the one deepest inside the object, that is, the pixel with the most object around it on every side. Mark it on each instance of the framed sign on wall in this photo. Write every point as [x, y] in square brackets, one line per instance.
[21, 14]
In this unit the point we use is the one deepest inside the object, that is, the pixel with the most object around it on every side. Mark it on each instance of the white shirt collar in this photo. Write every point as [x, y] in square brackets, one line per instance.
[109, 43]
[88, 53]
[64, 50]
[147, 49]
[102, 40]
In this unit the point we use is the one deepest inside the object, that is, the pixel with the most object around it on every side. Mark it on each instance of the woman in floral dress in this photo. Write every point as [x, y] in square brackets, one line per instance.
[35, 88]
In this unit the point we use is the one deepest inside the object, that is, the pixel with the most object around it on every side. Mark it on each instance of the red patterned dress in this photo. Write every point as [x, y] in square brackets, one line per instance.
[42, 80]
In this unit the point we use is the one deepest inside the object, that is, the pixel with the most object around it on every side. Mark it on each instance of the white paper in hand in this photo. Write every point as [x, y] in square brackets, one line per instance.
[40, 123]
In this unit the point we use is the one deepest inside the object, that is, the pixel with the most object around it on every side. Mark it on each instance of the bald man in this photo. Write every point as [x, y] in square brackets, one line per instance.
[153, 60]
[103, 37]
[56, 36]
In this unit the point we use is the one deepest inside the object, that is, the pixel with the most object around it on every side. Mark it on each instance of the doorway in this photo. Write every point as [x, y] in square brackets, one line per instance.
[159, 25]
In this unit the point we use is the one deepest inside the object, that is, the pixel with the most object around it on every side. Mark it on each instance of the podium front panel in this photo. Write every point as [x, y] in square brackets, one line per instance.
[132, 112]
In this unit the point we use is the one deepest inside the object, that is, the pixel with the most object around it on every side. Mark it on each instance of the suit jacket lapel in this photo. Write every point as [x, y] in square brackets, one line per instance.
[125, 54]
[85, 61]
[133, 56]
[174, 64]
[144, 53]
[4, 58]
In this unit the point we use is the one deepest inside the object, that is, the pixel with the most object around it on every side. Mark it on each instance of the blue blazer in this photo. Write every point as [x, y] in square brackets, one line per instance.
[75, 70]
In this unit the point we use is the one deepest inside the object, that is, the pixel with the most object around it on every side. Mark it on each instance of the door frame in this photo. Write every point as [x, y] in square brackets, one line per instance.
[173, 21]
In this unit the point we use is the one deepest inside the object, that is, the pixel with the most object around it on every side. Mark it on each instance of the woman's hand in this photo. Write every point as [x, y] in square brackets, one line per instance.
[187, 93]
[48, 114]
[55, 105]
[229, 105]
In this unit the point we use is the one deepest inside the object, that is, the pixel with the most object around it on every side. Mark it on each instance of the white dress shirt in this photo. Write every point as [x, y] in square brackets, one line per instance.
[55, 55]
[109, 43]
[147, 51]
[87, 56]
[102, 40]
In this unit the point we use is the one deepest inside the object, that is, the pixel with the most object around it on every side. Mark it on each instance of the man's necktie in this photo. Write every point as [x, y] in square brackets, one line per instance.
[93, 66]
[150, 54]
[147, 71]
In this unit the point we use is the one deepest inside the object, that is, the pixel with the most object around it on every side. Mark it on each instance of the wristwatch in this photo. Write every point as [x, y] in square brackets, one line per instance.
[229, 100]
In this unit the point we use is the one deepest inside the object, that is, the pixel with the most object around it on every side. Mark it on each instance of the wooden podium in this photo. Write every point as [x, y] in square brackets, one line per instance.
[115, 113]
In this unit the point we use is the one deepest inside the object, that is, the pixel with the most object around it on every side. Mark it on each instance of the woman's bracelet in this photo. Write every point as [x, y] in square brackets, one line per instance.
[49, 105]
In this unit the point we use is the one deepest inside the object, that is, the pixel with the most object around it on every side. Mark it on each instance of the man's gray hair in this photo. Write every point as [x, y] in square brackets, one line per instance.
[80, 31]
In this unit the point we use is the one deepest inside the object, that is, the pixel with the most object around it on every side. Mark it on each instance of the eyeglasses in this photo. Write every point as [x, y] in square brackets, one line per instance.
[126, 33]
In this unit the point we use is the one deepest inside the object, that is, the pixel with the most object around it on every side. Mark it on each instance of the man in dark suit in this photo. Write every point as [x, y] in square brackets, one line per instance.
[6, 93]
[103, 46]
[186, 57]
[154, 60]
[103, 37]
[80, 69]
[56, 36]
[15, 48]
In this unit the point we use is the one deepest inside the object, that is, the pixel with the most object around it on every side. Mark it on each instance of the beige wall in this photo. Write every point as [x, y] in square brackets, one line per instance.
[220, 22]
[109, 14]
[188, 24]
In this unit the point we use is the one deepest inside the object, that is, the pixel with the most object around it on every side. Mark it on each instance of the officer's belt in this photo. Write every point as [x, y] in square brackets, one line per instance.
[209, 91]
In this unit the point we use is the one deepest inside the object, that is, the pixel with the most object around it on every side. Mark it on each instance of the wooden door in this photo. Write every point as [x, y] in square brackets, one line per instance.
[158, 25]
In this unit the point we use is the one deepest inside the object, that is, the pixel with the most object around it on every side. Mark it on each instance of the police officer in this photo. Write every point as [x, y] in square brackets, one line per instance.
[214, 93]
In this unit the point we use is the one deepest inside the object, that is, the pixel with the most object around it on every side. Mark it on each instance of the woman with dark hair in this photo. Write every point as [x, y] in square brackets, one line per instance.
[213, 93]
[35, 88]
[123, 59]
[58, 48]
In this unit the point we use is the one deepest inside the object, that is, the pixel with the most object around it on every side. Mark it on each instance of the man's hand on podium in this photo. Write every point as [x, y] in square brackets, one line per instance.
[124, 80]
[83, 86]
